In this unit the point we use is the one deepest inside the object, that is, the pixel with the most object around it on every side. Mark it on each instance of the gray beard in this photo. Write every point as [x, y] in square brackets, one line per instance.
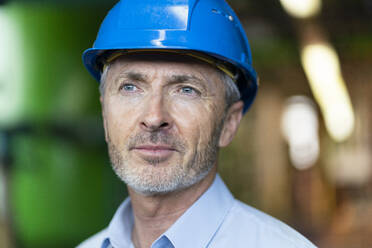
[172, 178]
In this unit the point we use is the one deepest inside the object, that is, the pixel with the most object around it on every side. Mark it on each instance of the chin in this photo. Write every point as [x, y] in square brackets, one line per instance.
[160, 181]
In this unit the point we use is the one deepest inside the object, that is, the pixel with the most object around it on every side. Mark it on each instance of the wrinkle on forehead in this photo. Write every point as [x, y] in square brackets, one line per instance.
[165, 58]
[178, 68]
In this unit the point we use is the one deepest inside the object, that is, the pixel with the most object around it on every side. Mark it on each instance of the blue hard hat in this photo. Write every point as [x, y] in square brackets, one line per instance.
[209, 27]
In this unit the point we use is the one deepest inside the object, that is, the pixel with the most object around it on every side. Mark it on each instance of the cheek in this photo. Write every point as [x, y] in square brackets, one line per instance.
[120, 121]
[194, 120]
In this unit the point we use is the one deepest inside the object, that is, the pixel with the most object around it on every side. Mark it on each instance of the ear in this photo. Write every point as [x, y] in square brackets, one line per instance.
[231, 123]
[104, 118]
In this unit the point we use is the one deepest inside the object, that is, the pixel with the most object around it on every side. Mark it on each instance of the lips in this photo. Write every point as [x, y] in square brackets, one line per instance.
[154, 147]
[159, 152]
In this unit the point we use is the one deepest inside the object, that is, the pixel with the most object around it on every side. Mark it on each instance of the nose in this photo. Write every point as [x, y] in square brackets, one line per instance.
[156, 116]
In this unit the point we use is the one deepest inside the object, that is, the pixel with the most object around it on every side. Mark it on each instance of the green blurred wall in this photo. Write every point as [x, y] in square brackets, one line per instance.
[62, 188]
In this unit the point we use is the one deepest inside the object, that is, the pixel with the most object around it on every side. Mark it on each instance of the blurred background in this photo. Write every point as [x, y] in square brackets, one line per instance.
[302, 153]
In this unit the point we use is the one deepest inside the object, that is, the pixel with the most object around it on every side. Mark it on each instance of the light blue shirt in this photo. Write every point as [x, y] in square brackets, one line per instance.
[215, 220]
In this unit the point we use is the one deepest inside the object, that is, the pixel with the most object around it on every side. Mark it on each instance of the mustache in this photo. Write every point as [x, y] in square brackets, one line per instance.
[157, 137]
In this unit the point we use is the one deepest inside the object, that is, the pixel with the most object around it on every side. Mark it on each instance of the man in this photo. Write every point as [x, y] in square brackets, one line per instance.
[175, 79]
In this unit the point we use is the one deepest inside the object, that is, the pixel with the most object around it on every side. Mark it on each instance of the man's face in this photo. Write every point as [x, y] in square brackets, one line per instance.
[163, 119]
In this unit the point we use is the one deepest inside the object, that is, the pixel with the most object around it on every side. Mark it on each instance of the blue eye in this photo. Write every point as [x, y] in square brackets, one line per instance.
[188, 90]
[128, 87]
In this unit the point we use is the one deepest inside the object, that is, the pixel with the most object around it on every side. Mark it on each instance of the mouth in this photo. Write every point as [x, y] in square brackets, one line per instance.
[151, 152]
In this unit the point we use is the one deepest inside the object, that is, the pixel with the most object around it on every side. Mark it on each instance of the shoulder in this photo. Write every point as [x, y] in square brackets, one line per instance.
[247, 225]
[94, 241]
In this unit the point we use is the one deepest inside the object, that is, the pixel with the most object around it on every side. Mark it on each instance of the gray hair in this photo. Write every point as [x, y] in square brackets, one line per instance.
[232, 94]
[102, 83]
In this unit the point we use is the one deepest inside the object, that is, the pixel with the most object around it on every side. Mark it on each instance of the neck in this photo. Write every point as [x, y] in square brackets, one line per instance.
[153, 215]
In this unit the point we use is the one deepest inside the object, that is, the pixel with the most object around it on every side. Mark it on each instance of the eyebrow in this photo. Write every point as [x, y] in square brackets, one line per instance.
[184, 78]
[135, 76]
[173, 79]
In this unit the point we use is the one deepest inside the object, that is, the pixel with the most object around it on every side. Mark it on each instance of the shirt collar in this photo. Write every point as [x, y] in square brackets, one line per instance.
[206, 214]
[207, 219]
[121, 225]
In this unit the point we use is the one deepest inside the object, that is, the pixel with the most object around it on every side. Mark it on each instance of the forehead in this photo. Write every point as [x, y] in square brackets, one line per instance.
[165, 64]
